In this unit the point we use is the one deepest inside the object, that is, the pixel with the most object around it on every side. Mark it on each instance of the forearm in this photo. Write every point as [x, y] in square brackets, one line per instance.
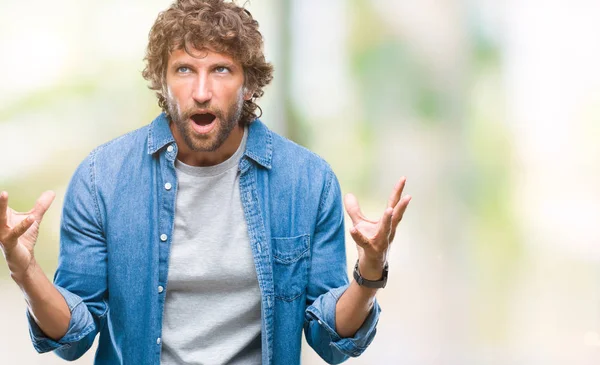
[352, 309]
[45, 303]
[356, 303]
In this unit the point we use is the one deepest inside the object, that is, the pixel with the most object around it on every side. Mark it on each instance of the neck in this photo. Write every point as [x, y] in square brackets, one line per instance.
[221, 154]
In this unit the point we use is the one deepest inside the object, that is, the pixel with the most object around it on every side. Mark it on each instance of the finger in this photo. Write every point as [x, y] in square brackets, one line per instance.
[359, 238]
[21, 228]
[3, 207]
[399, 210]
[353, 209]
[386, 223]
[396, 192]
[399, 213]
[42, 204]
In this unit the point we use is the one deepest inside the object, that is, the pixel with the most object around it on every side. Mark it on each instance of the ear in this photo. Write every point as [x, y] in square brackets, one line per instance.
[248, 94]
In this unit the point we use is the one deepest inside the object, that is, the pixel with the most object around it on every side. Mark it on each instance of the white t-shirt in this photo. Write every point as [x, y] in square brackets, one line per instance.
[212, 312]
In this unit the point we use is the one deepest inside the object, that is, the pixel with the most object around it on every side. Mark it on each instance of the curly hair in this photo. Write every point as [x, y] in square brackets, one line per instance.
[220, 26]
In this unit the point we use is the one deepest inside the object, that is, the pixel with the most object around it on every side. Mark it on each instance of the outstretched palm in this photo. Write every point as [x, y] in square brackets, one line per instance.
[374, 237]
[19, 231]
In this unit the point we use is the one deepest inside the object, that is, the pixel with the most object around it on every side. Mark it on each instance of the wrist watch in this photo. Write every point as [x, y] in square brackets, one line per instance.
[370, 283]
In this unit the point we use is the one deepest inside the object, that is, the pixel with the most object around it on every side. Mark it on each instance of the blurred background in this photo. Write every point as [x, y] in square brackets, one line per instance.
[490, 108]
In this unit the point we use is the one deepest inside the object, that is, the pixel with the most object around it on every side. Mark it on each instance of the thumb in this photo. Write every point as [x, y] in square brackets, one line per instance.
[359, 238]
[42, 204]
[353, 209]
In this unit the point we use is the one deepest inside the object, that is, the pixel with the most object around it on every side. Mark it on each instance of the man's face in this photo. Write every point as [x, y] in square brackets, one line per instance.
[205, 95]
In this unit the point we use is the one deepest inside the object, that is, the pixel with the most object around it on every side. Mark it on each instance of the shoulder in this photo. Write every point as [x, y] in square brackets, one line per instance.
[287, 153]
[128, 151]
[134, 140]
[296, 166]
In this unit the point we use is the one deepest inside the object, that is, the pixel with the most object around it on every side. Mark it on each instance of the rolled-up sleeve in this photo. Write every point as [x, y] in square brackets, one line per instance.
[80, 325]
[323, 312]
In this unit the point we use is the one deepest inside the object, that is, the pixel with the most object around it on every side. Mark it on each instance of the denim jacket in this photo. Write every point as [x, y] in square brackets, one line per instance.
[116, 229]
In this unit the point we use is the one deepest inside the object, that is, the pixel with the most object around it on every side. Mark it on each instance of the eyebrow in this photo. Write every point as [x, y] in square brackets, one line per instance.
[178, 64]
[224, 64]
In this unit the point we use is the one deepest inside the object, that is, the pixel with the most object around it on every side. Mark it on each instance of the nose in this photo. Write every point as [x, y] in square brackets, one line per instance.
[202, 92]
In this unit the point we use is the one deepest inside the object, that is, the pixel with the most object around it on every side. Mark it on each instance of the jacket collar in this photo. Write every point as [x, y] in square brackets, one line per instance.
[259, 145]
[159, 134]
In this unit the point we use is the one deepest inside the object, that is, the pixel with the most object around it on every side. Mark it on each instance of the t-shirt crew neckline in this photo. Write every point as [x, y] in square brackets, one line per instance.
[207, 171]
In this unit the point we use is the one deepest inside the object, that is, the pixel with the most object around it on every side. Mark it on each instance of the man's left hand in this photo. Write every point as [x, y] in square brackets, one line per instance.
[374, 237]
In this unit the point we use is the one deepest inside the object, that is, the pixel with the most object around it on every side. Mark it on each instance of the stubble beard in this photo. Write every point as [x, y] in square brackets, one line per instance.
[204, 143]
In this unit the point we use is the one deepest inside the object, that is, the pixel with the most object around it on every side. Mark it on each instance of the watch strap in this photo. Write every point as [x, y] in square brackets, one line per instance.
[374, 284]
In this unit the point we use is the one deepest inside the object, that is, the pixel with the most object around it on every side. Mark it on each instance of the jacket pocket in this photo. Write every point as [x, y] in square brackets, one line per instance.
[290, 266]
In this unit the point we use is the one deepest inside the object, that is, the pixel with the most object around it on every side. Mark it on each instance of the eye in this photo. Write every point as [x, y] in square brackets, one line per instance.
[221, 69]
[183, 69]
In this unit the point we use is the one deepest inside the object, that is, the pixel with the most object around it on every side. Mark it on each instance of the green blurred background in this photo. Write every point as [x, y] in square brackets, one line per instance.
[490, 108]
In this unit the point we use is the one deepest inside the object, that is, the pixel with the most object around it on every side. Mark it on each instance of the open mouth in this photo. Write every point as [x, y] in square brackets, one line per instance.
[203, 119]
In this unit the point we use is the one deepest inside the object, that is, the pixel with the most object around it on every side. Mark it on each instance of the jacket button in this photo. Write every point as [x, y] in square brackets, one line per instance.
[160, 289]
[163, 237]
[170, 149]
[168, 186]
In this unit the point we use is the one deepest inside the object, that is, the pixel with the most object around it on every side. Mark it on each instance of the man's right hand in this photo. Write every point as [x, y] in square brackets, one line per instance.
[19, 232]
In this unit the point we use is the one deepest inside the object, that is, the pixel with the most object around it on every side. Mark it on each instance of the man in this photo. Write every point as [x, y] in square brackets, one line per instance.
[203, 238]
